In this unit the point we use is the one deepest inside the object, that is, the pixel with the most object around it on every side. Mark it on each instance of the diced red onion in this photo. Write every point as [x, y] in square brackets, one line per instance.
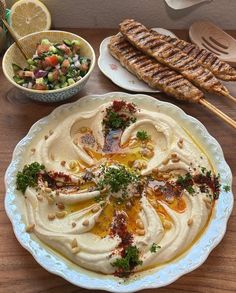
[77, 63]
[30, 84]
[75, 58]
[40, 73]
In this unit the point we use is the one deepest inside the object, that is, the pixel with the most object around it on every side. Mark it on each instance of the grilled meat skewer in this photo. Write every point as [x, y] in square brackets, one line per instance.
[156, 75]
[209, 60]
[167, 54]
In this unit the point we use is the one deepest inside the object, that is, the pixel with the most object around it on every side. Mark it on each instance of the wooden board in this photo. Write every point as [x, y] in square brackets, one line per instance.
[19, 272]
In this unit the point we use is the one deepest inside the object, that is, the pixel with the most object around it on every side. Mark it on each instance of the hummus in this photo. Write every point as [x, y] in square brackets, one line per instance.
[123, 189]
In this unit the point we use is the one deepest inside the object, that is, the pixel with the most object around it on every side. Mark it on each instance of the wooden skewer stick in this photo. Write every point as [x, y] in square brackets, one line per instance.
[219, 113]
[227, 95]
[231, 98]
[15, 39]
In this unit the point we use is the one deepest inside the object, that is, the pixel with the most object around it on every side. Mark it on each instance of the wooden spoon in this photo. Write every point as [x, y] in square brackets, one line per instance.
[2, 17]
[208, 36]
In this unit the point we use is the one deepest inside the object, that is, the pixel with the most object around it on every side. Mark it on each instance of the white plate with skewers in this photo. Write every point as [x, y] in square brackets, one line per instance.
[118, 74]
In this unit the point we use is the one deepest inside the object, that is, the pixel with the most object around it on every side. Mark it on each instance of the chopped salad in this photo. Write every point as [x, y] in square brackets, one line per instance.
[53, 66]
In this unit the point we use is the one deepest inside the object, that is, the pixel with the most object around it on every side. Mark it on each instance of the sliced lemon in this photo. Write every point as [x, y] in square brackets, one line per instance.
[29, 16]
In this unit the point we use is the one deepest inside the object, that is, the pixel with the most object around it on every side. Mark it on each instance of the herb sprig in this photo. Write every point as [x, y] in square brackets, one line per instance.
[154, 247]
[28, 176]
[119, 115]
[226, 188]
[186, 182]
[130, 260]
[115, 121]
[142, 135]
[117, 178]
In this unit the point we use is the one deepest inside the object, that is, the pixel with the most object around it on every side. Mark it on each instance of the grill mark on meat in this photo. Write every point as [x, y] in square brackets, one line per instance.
[223, 71]
[158, 72]
[187, 72]
[156, 75]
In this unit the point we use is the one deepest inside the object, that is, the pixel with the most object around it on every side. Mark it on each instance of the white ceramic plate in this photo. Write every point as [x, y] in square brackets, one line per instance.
[118, 74]
[165, 275]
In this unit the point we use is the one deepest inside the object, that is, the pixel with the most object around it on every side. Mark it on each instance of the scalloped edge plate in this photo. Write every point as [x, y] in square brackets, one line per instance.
[154, 278]
[120, 76]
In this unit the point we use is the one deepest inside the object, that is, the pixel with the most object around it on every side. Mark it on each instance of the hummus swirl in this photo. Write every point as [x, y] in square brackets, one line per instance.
[161, 194]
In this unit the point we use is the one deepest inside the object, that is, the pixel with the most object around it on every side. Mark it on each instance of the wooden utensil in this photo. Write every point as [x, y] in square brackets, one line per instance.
[3, 8]
[2, 15]
[208, 36]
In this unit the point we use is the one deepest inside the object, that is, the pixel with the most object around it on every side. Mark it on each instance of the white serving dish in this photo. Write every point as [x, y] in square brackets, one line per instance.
[154, 278]
[118, 74]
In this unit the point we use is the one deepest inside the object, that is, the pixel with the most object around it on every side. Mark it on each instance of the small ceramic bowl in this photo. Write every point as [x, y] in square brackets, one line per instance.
[14, 55]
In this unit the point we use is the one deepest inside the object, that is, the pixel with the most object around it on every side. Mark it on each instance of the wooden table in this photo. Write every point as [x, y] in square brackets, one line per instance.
[19, 272]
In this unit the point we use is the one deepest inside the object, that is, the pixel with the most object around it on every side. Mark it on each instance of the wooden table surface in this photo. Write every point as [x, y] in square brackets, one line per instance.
[19, 272]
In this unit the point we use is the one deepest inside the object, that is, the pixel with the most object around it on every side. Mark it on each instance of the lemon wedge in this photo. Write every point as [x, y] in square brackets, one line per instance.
[29, 16]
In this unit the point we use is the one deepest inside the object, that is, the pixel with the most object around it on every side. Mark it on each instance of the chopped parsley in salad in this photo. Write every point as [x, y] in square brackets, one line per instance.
[53, 66]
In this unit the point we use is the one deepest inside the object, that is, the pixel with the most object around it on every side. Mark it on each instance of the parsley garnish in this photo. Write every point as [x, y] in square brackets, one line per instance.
[186, 182]
[28, 176]
[117, 178]
[142, 135]
[129, 261]
[115, 121]
[154, 247]
[226, 188]
[183, 180]
[190, 189]
[119, 115]
[208, 173]
[203, 169]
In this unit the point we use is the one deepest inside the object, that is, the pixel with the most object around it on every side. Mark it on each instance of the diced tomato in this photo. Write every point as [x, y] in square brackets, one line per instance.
[76, 49]
[65, 63]
[39, 86]
[65, 49]
[84, 67]
[29, 74]
[21, 73]
[42, 49]
[51, 61]
[55, 74]
[39, 64]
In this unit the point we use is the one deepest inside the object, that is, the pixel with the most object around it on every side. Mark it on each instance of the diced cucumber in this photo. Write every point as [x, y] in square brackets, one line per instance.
[45, 42]
[53, 49]
[62, 78]
[67, 42]
[72, 72]
[39, 80]
[57, 86]
[82, 73]
[60, 59]
[70, 81]
[45, 80]
[30, 61]
[32, 67]
[70, 59]
[65, 84]
[18, 80]
[76, 42]
[16, 67]
[50, 76]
